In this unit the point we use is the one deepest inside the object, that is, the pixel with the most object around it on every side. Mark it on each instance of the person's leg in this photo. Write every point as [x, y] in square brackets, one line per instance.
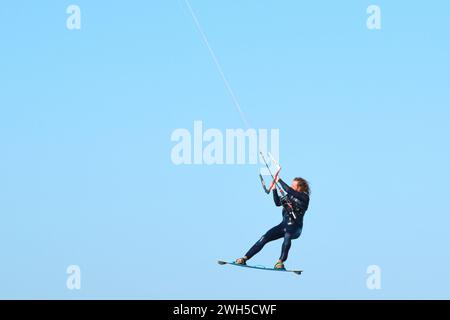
[286, 246]
[275, 233]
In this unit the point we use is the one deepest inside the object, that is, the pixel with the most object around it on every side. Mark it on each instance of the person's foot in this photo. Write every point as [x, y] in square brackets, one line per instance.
[279, 265]
[241, 261]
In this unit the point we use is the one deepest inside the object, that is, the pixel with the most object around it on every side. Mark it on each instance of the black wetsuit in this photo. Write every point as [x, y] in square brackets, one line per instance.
[294, 205]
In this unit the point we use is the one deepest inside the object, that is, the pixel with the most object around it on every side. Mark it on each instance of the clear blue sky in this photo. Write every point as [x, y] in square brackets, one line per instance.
[86, 176]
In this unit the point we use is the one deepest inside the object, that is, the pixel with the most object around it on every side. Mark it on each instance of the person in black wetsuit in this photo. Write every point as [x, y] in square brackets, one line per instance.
[295, 203]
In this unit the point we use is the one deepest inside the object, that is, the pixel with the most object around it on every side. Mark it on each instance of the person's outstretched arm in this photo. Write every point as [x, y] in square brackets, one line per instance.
[276, 198]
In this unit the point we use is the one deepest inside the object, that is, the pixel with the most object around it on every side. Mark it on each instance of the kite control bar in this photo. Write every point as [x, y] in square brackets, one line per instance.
[274, 183]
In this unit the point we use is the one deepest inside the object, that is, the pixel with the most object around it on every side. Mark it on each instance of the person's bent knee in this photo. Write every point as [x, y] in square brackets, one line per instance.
[288, 236]
[296, 236]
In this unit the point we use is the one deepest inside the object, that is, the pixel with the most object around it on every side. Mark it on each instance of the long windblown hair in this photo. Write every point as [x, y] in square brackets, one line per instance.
[304, 184]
